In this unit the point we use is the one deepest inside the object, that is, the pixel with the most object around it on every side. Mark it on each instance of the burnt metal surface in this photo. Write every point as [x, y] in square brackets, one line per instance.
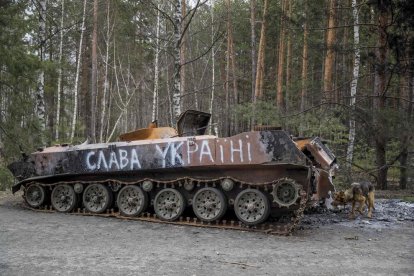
[324, 165]
[192, 123]
[149, 133]
[22, 169]
[251, 161]
[321, 153]
[245, 149]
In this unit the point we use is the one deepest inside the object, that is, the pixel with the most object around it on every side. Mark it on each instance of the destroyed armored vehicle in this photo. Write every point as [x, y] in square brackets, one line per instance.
[181, 175]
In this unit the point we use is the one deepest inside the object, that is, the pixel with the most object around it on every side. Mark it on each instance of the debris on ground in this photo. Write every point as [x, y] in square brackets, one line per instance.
[387, 213]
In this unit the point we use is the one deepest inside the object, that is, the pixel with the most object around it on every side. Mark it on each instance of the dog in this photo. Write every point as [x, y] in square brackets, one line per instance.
[363, 193]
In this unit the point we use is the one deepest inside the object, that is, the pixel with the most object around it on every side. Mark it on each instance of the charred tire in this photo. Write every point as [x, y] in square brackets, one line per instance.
[97, 198]
[132, 200]
[35, 195]
[64, 198]
[209, 204]
[169, 204]
[252, 207]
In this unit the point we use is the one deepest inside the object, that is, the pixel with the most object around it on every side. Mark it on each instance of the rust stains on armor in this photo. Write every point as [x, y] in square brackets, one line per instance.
[269, 173]
[249, 148]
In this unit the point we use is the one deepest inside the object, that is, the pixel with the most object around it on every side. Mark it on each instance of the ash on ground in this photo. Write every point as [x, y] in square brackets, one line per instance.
[387, 213]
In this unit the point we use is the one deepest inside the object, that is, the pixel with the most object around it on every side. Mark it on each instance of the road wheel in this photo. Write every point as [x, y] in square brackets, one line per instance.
[209, 204]
[97, 198]
[132, 201]
[252, 207]
[169, 204]
[35, 195]
[63, 198]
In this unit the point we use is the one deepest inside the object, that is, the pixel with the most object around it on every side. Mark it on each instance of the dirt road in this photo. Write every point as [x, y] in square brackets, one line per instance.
[34, 243]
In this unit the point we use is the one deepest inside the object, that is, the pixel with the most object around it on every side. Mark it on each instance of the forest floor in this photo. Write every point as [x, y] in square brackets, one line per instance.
[326, 243]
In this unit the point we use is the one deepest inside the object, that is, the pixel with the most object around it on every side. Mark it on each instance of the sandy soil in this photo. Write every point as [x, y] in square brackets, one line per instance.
[326, 243]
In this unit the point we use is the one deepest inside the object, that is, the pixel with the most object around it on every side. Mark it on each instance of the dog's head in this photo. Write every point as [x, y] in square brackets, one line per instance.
[339, 198]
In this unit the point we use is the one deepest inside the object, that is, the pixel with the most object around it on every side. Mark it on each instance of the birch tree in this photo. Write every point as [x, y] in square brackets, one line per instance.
[59, 84]
[180, 30]
[40, 87]
[156, 67]
[92, 126]
[354, 84]
[230, 68]
[75, 89]
[182, 49]
[213, 64]
[176, 97]
[106, 80]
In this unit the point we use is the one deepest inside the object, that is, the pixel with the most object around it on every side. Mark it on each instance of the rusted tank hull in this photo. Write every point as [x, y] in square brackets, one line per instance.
[252, 175]
[201, 154]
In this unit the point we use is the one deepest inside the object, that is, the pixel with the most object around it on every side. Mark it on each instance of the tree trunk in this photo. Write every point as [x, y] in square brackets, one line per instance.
[92, 126]
[261, 55]
[59, 84]
[406, 105]
[288, 56]
[253, 43]
[380, 90]
[235, 89]
[85, 85]
[156, 68]
[49, 97]
[403, 163]
[195, 81]
[354, 84]
[281, 59]
[328, 87]
[231, 58]
[346, 63]
[258, 94]
[213, 64]
[106, 81]
[75, 90]
[183, 52]
[227, 81]
[304, 88]
[253, 51]
[40, 88]
[176, 101]
[167, 80]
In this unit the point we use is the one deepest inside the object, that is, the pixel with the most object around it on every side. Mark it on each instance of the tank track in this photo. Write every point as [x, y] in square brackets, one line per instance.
[268, 227]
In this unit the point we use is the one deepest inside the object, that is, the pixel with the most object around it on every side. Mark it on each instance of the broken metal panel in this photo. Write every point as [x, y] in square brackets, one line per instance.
[301, 143]
[149, 133]
[281, 148]
[192, 123]
[321, 153]
[22, 169]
